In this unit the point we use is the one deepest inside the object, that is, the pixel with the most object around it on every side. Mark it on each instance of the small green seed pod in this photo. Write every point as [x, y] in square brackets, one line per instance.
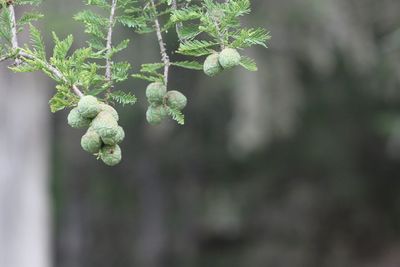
[211, 65]
[111, 155]
[104, 119]
[88, 106]
[109, 109]
[91, 142]
[176, 100]
[106, 126]
[155, 92]
[229, 58]
[155, 114]
[113, 136]
[75, 119]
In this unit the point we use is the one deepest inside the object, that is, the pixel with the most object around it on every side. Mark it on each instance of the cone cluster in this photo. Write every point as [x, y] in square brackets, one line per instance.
[217, 62]
[103, 134]
[160, 100]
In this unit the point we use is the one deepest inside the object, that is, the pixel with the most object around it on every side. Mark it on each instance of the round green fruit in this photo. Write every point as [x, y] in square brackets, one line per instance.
[176, 100]
[155, 92]
[104, 119]
[211, 65]
[111, 155]
[229, 58]
[76, 120]
[88, 106]
[113, 136]
[109, 109]
[155, 114]
[91, 142]
[106, 127]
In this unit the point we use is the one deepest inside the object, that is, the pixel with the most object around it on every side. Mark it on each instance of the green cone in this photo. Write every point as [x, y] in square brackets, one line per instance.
[155, 92]
[211, 65]
[109, 109]
[76, 120]
[88, 106]
[176, 100]
[106, 126]
[155, 114]
[111, 155]
[229, 58]
[91, 142]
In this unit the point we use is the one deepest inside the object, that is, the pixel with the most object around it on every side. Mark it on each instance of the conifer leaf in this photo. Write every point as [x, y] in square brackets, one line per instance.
[194, 65]
[123, 98]
[248, 64]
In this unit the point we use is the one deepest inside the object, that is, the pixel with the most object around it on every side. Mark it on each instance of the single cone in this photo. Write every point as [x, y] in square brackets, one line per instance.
[113, 136]
[176, 100]
[91, 142]
[106, 126]
[88, 106]
[155, 114]
[111, 155]
[229, 58]
[155, 92]
[109, 109]
[211, 65]
[76, 120]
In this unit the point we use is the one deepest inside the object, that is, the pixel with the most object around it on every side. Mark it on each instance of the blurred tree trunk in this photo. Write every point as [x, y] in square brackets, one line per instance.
[24, 203]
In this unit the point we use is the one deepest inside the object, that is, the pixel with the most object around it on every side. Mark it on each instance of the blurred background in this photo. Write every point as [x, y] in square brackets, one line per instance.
[295, 165]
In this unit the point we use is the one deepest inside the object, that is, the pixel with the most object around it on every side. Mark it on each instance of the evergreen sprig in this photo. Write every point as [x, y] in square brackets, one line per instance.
[203, 28]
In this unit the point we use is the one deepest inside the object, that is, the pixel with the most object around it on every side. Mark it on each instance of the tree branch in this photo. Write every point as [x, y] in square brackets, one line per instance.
[13, 27]
[56, 72]
[21, 54]
[5, 57]
[109, 40]
[163, 50]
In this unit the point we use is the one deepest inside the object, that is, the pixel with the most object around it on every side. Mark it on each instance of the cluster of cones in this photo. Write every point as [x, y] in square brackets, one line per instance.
[218, 62]
[103, 134]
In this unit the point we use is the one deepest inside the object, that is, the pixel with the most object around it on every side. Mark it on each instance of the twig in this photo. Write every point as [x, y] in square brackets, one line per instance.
[3, 58]
[21, 54]
[56, 72]
[109, 40]
[13, 27]
[219, 32]
[163, 50]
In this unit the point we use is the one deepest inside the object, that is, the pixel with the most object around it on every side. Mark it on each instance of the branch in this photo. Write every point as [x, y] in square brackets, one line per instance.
[109, 40]
[56, 72]
[219, 32]
[5, 57]
[163, 50]
[13, 27]
[21, 54]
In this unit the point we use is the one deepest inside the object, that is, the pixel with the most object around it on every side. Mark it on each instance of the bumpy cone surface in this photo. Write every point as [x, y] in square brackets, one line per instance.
[155, 92]
[113, 136]
[109, 109]
[91, 142]
[106, 126]
[111, 155]
[211, 65]
[76, 120]
[155, 114]
[229, 58]
[88, 106]
[120, 135]
[176, 100]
